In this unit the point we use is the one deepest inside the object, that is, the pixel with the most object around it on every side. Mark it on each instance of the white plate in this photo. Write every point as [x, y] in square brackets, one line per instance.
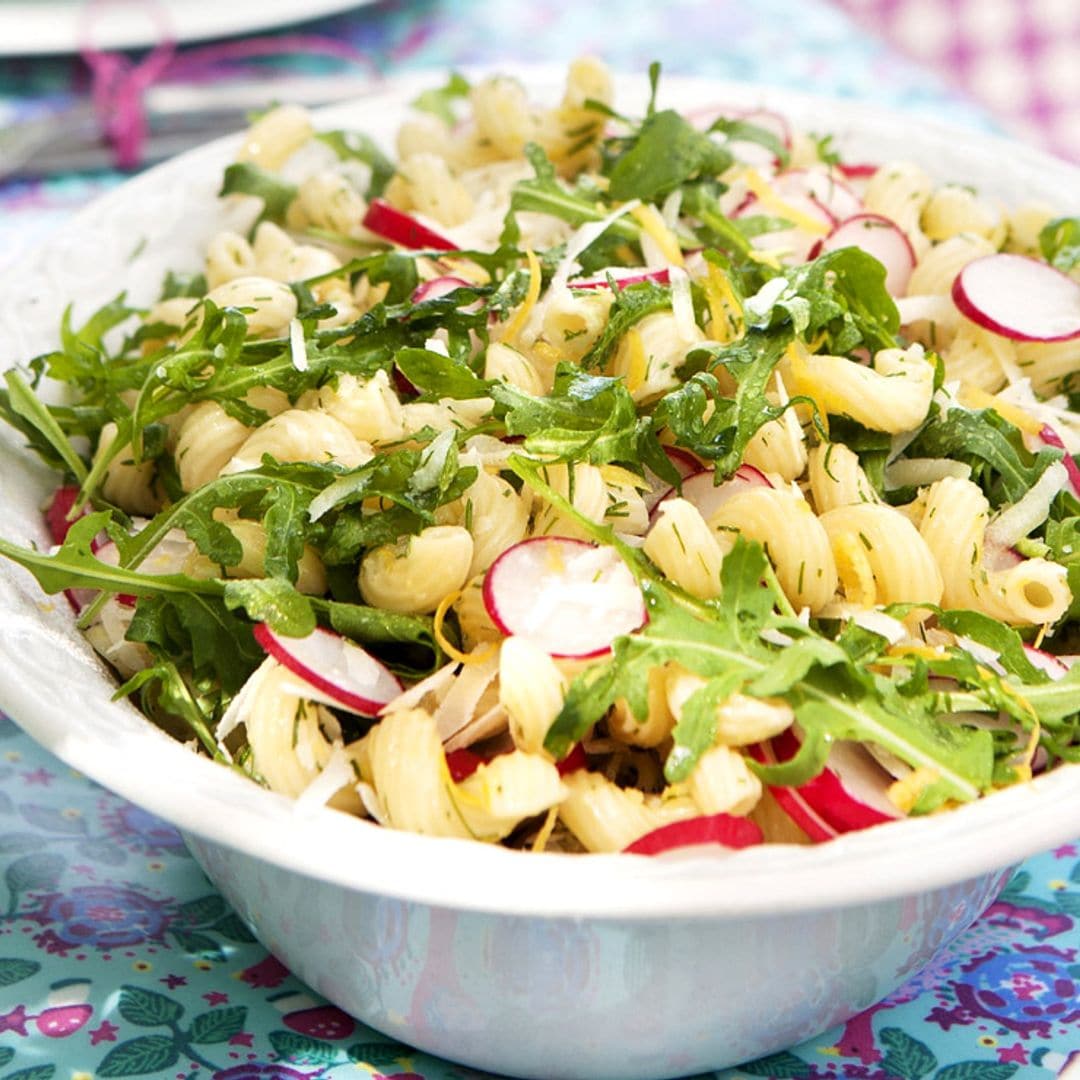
[51, 683]
[33, 27]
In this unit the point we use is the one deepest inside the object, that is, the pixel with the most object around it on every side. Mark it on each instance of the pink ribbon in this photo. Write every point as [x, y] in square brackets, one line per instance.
[119, 83]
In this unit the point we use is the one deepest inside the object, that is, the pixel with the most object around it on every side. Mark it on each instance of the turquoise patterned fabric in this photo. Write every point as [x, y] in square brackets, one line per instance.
[118, 958]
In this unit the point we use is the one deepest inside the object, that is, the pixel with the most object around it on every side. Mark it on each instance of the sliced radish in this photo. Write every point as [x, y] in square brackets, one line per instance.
[1054, 666]
[569, 597]
[463, 763]
[341, 673]
[573, 761]
[1019, 297]
[882, 238]
[685, 464]
[714, 830]
[850, 793]
[701, 489]
[799, 241]
[621, 277]
[831, 193]
[857, 170]
[436, 287]
[400, 228]
[1051, 438]
[56, 513]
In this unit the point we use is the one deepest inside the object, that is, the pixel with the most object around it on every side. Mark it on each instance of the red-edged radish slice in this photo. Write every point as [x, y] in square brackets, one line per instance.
[342, 673]
[1019, 297]
[882, 238]
[621, 277]
[792, 801]
[714, 830]
[573, 761]
[850, 793]
[826, 189]
[701, 489]
[569, 597]
[857, 170]
[400, 228]
[1054, 666]
[462, 763]
[801, 242]
[436, 287]
[685, 465]
[1051, 438]
[56, 513]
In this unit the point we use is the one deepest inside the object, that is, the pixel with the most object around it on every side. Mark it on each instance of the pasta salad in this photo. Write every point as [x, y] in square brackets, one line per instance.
[585, 482]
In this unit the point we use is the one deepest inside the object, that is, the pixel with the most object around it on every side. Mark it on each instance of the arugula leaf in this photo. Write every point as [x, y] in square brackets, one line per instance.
[24, 410]
[585, 417]
[1063, 541]
[831, 697]
[546, 194]
[719, 426]
[440, 102]
[244, 178]
[738, 130]
[987, 442]
[666, 151]
[273, 601]
[439, 376]
[1059, 242]
[356, 146]
[632, 304]
[199, 632]
[179, 284]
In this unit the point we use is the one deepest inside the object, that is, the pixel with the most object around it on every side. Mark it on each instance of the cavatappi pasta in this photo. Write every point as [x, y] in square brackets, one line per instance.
[851, 513]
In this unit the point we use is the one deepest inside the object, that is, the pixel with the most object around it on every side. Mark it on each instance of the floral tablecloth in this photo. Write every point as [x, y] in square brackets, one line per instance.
[118, 958]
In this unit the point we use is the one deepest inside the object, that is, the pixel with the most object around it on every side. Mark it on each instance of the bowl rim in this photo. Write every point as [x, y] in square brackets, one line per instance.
[879, 864]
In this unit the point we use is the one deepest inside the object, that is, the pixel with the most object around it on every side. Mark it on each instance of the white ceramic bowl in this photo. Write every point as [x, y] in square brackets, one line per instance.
[532, 965]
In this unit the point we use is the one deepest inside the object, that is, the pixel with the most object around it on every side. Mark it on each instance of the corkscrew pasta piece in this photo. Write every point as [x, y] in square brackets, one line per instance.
[507, 365]
[1033, 592]
[881, 557]
[952, 210]
[793, 537]
[655, 726]
[275, 136]
[722, 783]
[685, 548]
[899, 191]
[531, 690]
[287, 734]
[228, 256]
[414, 574]
[300, 435]
[129, 485]
[496, 516]
[208, 439]
[837, 478]
[587, 493]
[267, 305]
[937, 268]
[311, 575]
[650, 354]
[327, 200]
[892, 396]
[369, 408]
[740, 720]
[607, 818]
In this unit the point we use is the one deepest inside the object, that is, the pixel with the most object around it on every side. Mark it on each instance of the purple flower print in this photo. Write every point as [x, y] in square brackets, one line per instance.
[99, 916]
[260, 1072]
[134, 829]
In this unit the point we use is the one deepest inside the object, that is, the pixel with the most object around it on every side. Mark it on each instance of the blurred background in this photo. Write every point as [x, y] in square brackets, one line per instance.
[137, 77]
